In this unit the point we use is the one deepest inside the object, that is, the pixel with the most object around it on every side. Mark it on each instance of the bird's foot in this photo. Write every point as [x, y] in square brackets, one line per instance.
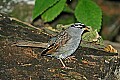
[65, 67]
[71, 59]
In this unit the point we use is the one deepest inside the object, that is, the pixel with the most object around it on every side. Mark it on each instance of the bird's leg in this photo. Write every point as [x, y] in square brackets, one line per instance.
[62, 62]
[64, 66]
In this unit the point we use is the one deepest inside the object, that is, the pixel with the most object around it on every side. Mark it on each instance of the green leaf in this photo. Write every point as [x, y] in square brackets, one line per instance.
[54, 11]
[41, 6]
[68, 9]
[89, 13]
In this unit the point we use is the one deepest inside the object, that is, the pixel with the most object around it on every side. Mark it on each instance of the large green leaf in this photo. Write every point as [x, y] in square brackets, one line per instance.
[41, 6]
[89, 13]
[54, 11]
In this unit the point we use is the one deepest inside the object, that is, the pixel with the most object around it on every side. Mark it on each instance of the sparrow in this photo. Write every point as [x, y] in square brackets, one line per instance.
[65, 43]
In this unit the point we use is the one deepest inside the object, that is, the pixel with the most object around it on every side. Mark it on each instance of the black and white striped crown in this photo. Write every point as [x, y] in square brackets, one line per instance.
[78, 25]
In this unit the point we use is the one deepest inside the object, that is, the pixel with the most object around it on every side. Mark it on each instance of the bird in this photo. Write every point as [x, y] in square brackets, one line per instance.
[65, 43]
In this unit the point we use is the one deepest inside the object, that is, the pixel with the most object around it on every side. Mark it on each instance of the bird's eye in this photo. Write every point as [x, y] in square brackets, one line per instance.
[83, 26]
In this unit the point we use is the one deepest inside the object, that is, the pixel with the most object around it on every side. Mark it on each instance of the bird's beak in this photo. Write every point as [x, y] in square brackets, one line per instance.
[87, 28]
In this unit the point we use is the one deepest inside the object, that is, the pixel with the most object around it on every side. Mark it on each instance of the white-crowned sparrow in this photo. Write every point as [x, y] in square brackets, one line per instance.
[66, 42]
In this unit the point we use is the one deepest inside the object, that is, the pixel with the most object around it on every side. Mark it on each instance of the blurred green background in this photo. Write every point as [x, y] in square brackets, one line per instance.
[22, 9]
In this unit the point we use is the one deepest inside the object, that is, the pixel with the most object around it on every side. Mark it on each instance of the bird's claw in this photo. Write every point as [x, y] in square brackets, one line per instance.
[71, 59]
[66, 67]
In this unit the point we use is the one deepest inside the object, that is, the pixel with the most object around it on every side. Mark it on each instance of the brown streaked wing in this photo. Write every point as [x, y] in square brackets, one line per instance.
[62, 39]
